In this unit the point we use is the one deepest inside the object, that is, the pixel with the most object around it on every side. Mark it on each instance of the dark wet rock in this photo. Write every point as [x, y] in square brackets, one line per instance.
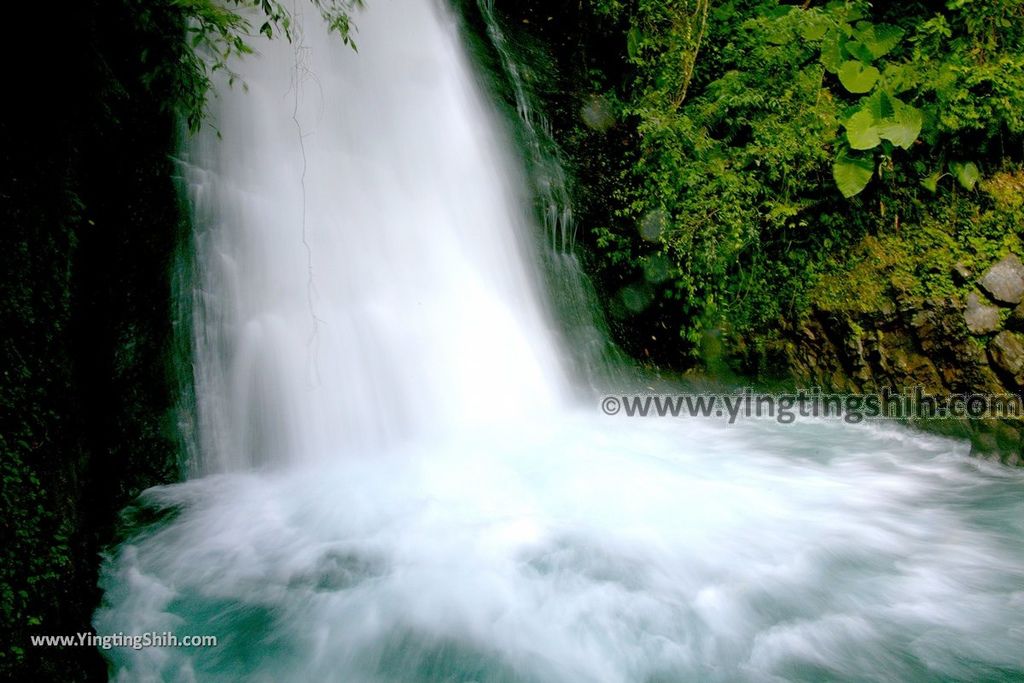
[1016, 319]
[961, 274]
[1007, 353]
[927, 346]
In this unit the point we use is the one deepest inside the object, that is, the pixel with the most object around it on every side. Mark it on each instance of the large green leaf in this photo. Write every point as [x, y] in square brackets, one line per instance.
[859, 50]
[968, 174]
[832, 51]
[904, 126]
[814, 25]
[845, 12]
[879, 104]
[931, 183]
[900, 78]
[862, 130]
[879, 39]
[852, 174]
[858, 78]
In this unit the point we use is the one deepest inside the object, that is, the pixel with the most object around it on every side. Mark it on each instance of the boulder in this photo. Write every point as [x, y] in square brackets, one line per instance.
[1007, 353]
[980, 318]
[1004, 281]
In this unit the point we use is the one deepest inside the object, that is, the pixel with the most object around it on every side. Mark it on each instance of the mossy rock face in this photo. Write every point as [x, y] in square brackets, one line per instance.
[944, 345]
[1006, 188]
[1007, 353]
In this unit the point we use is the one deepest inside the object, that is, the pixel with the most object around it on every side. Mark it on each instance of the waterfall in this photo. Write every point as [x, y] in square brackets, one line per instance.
[347, 206]
[392, 481]
[594, 359]
[551, 185]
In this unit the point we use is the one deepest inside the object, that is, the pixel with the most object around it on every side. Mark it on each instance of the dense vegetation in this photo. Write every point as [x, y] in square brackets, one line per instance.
[784, 156]
[90, 222]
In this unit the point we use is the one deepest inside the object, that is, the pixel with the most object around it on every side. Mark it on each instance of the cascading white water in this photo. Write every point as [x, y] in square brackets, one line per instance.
[596, 362]
[366, 323]
[352, 206]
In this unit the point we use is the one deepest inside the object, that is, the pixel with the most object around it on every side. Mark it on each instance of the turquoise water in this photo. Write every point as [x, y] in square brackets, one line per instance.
[590, 549]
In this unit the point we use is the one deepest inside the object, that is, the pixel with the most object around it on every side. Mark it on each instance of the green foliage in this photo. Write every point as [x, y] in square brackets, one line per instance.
[774, 136]
[852, 48]
[216, 34]
[852, 174]
[858, 78]
[966, 173]
[959, 231]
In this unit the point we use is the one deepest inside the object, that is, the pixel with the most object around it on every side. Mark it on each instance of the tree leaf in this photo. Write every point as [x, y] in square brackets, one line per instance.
[904, 126]
[858, 78]
[880, 105]
[900, 78]
[879, 39]
[862, 131]
[852, 174]
[860, 51]
[852, 12]
[968, 174]
[832, 52]
[814, 27]
[931, 183]
[633, 39]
